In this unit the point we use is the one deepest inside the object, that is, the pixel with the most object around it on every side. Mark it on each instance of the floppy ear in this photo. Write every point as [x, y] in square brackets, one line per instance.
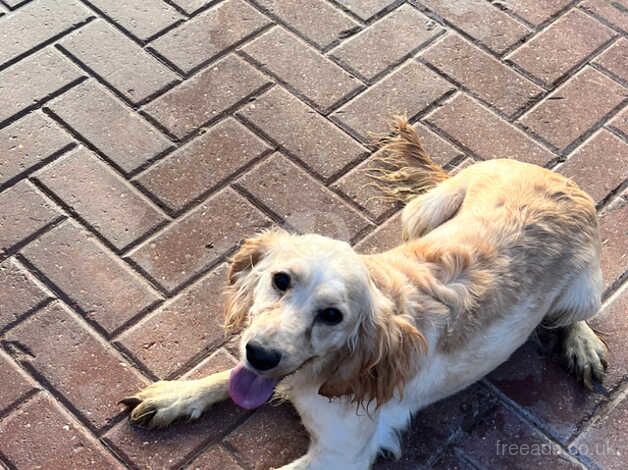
[239, 292]
[249, 254]
[384, 358]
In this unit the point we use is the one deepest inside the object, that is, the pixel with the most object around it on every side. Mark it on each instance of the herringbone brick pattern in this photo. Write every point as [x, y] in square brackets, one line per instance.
[140, 141]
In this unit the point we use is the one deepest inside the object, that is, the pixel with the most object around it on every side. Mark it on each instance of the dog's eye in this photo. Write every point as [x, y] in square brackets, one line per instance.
[331, 316]
[281, 281]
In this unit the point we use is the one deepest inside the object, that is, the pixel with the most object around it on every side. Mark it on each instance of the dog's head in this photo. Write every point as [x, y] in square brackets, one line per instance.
[308, 298]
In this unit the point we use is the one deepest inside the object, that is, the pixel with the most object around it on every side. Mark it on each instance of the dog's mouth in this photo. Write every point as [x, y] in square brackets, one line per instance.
[248, 389]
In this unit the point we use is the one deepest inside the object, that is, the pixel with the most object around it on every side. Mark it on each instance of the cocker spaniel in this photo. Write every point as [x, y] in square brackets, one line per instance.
[358, 343]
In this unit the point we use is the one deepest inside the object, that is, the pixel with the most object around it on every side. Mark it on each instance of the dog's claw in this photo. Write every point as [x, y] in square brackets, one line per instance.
[587, 377]
[143, 418]
[130, 402]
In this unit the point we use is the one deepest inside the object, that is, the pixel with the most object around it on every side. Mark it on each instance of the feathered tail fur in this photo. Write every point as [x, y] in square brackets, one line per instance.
[402, 168]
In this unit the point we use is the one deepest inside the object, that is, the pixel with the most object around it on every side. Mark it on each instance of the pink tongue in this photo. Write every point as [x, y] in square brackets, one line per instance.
[249, 390]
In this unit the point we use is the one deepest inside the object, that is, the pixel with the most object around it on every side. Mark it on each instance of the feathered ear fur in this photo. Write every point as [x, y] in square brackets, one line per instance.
[384, 357]
[239, 292]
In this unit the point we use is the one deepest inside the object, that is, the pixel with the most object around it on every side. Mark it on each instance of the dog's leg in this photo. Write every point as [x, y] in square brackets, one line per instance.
[580, 300]
[163, 402]
[584, 353]
[342, 435]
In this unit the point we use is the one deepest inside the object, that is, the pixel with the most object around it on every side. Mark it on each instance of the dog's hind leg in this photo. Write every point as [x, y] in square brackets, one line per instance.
[585, 354]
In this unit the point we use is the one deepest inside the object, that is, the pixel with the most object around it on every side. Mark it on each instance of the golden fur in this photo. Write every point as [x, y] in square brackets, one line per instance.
[380, 364]
[463, 278]
[239, 291]
[401, 166]
[488, 255]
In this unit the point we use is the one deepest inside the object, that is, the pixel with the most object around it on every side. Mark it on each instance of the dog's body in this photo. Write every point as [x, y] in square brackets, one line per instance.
[489, 254]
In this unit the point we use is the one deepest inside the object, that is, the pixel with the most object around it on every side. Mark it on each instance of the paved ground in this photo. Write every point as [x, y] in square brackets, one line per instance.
[140, 141]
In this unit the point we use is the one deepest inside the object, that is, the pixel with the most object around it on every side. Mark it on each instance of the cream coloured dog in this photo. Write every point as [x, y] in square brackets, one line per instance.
[359, 343]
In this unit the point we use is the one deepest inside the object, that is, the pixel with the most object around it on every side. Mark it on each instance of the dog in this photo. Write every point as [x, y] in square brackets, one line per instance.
[359, 343]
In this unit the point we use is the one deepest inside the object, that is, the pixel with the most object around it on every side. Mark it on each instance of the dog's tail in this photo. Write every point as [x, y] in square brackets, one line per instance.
[401, 167]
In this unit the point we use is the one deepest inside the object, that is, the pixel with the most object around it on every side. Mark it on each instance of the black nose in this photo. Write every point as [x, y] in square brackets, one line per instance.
[260, 358]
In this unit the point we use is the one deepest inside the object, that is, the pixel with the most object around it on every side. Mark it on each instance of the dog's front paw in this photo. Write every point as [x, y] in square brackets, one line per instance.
[161, 403]
[585, 354]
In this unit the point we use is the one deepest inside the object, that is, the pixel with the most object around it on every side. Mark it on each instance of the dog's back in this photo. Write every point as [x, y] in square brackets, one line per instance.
[532, 231]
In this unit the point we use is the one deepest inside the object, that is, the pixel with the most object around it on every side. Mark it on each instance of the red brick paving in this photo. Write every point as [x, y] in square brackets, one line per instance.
[141, 141]
[613, 229]
[561, 47]
[481, 74]
[574, 109]
[124, 66]
[29, 142]
[367, 112]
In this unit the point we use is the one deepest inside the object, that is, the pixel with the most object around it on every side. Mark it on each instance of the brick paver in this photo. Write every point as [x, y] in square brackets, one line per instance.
[293, 195]
[365, 9]
[612, 321]
[66, 353]
[184, 329]
[37, 23]
[174, 446]
[490, 444]
[562, 46]
[302, 132]
[534, 11]
[205, 36]
[19, 292]
[34, 80]
[614, 13]
[100, 197]
[23, 211]
[259, 441]
[117, 60]
[99, 284]
[324, 84]
[598, 166]
[16, 384]
[602, 443]
[36, 423]
[215, 457]
[129, 142]
[367, 112]
[28, 143]
[615, 59]
[574, 108]
[620, 123]
[482, 74]
[141, 141]
[484, 133]
[473, 17]
[205, 97]
[316, 20]
[198, 239]
[389, 39]
[613, 228]
[196, 168]
[141, 19]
